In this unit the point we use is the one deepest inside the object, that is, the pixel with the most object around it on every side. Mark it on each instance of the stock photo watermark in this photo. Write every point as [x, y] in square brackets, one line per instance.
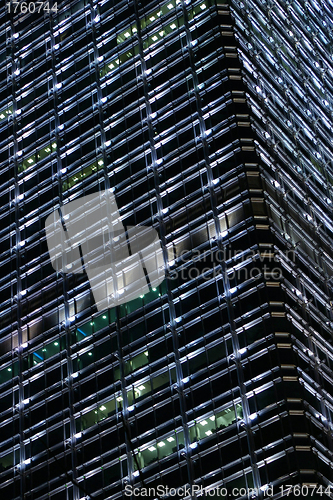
[247, 264]
[266, 491]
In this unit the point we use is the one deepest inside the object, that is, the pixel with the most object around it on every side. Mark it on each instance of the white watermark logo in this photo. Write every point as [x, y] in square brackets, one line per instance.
[122, 263]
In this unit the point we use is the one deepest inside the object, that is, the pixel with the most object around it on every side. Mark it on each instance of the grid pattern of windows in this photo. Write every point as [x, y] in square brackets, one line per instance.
[212, 124]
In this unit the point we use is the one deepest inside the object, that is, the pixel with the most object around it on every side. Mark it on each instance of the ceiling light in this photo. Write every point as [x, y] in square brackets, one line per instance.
[152, 448]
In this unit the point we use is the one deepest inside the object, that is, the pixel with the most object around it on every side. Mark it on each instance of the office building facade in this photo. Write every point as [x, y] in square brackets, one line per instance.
[211, 123]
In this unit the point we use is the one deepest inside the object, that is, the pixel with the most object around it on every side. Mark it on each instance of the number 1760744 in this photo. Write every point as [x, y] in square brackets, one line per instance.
[31, 7]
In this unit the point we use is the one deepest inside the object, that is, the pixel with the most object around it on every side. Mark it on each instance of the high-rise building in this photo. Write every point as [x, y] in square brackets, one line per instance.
[211, 123]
